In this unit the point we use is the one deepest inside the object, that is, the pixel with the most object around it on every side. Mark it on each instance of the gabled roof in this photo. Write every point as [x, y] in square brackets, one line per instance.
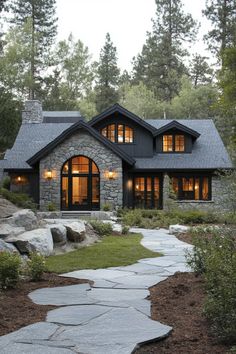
[70, 131]
[176, 125]
[116, 108]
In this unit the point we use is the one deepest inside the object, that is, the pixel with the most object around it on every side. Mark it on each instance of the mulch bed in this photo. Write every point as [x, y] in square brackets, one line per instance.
[176, 301]
[16, 308]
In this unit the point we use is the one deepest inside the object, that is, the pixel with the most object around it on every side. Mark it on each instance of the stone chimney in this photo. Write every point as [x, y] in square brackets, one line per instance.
[33, 112]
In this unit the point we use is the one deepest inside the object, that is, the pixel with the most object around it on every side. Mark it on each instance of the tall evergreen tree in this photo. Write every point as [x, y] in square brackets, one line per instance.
[40, 15]
[160, 64]
[200, 71]
[107, 76]
[222, 14]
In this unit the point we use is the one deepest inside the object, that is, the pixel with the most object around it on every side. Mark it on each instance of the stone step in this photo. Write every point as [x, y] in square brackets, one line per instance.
[75, 214]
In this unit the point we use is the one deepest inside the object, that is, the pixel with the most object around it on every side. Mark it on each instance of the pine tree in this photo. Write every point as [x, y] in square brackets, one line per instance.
[40, 15]
[200, 71]
[2, 4]
[222, 14]
[160, 65]
[107, 76]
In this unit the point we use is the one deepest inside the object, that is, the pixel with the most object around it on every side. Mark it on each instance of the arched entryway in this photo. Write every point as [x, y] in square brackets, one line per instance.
[80, 181]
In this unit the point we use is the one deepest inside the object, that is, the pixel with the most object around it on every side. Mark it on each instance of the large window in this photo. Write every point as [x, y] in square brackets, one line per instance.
[147, 192]
[118, 133]
[80, 182]
[192, 188]
[173, 143]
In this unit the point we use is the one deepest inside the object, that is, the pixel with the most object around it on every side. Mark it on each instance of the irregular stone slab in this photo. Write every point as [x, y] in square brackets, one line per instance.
[163, 261]
[37, 331]
[104, 284]
[140, 268]
[39, 240]
[122, 327]
[7, 247]
[106, 348]
[93, 274]
[178, 229]
[62, 295]
[76, 315]
[24, 218]
[119, 295]
[22, 348]
[7, 230]
[138, 281]
[59, 233]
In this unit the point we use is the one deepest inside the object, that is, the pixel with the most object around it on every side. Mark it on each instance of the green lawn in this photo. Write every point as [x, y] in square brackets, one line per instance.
[113, 251]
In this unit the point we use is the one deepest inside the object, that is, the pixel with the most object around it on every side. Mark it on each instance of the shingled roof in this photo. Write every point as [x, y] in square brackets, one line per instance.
[208, 150]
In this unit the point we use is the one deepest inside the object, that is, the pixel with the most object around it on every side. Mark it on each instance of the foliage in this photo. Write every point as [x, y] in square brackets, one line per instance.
[113, 251]
[215, 256]
[51, 206]
[36, 266]
[6, 183]
[200, 71]
[222, 15]
[103, 229]
[106, 207]
[9, 269]
[41, 19]
[107, 76]
[125, 230]
[160, 66]
[20, 199]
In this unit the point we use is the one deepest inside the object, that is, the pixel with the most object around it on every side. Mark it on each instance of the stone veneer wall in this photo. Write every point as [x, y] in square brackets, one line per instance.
[33, 112]
[82, 143]
[218, 202]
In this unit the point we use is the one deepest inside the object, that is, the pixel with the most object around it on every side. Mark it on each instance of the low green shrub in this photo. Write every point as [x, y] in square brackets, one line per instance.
[103, 229]
[214, 256]
[36, 266]
[6, 182]
[51, 206]
[191, 217]
[132, 217]
[125, 230]
[10, 264]
[20, 199]
[106, 207]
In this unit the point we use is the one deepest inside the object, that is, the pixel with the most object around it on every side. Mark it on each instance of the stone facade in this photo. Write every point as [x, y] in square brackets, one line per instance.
[81, 143]
[218, 202]
[33, 112]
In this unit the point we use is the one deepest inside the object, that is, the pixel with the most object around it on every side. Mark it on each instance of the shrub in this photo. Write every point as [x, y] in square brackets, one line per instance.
[106, 207]
[10, 264]
[6, 182]
[20, 199]
[36, 266]
[194, 216]
[102, 228]
[125, 230]
[215, 257]
[132, 217]
[51, 206]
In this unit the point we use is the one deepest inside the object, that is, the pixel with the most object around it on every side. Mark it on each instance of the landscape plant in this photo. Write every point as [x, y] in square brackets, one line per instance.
[36, 266]
[10, 264]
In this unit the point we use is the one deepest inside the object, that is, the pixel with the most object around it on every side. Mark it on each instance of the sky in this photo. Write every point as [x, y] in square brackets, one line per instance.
[127, 21]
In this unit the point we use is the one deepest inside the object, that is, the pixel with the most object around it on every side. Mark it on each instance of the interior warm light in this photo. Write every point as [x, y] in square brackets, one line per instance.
[19, 179]
[137, 186]
[49, 174]
[111, 174]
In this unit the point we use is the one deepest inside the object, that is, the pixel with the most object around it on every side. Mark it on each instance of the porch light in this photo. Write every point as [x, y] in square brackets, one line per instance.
[49, 174]
[19, 179]
[111, 174]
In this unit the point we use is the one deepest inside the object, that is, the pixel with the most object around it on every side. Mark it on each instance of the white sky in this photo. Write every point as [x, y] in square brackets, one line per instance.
[126, 20]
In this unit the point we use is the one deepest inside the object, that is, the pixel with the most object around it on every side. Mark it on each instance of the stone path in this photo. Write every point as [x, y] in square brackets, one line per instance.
[112, 317]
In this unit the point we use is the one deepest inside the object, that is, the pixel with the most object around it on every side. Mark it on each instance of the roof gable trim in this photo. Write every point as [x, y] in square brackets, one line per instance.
[176, 125]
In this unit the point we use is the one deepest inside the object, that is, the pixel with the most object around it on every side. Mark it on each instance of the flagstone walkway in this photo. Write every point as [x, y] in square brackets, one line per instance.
[112, 316]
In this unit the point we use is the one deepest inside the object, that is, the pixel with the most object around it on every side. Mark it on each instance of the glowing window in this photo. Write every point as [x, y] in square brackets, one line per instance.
[167, 143]
[118, 133]
[179, 143]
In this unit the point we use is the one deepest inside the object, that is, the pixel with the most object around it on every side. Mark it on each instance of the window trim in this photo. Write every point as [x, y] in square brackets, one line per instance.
[173, 143]
[117, 124]
[180, 193]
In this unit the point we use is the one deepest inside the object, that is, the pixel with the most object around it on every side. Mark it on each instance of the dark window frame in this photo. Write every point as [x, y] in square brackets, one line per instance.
[116, 133]
[173, 143]
[181, 195]
[152, 176]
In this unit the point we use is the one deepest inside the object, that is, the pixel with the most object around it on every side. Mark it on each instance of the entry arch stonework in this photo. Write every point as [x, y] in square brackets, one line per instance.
[81, 143]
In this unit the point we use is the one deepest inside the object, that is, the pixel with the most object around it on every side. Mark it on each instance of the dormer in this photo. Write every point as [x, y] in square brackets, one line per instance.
[175, 137]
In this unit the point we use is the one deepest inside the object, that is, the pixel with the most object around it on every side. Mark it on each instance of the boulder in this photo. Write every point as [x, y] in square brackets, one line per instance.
[178, 229]
[75, 231]
[7, 230]
[59, 233]
[7, 247]
[39, 240]
[6, 208]
[24, 218]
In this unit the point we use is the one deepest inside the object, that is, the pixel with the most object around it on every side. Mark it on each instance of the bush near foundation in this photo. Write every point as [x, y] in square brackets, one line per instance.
[19, 199]
[103, 229]
[36, 266]
[215, 258]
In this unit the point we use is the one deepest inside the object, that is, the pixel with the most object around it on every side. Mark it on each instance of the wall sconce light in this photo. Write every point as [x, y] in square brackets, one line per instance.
[49, 174]
[19, 179]
[111, 174]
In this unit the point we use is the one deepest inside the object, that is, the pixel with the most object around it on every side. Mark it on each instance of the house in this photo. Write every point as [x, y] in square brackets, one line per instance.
[116, 158]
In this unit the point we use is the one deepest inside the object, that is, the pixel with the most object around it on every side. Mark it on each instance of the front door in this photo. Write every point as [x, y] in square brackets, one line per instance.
[80, 184]
[147, 192]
